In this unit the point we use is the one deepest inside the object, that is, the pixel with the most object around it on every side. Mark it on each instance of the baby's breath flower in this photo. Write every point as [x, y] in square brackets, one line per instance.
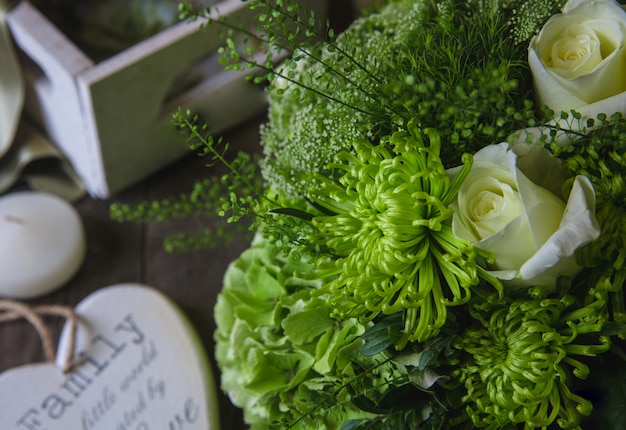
[389, 231]
[523, 354]
[528, 18]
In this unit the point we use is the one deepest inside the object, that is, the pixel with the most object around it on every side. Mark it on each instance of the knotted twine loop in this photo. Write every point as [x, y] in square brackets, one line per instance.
[11, 311]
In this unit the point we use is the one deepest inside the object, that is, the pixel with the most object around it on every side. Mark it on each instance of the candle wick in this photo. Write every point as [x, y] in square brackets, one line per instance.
[16, 220]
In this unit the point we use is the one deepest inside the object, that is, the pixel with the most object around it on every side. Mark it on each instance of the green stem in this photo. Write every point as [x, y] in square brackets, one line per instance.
[183, 121]
[298, 20]
[265, 68]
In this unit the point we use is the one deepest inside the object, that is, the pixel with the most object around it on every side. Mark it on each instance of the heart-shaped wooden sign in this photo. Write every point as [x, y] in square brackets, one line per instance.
[138, 365]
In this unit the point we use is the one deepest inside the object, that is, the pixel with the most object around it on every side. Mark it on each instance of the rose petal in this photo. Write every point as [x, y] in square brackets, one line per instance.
[547, 91]
[606, 80]
[576, 52]
[578, 227]
[512, 246]
[596, 9]
[488, 199]
[572, 5]
[540, 166]
[538, 246]
[608, 106]
[552, 228]
[544, 210]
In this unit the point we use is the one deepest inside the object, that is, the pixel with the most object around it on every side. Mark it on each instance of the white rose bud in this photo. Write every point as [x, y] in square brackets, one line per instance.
[578, 60]
[507, 206]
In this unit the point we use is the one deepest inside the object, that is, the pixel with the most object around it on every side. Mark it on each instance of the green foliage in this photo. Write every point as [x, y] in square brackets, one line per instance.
[608, 391]
[449, 70]
[436, 64]
[613, 415]
[599, 153]
[426, 401]
[398, 420]
[206, 238]
[280, 27]
[200, 201]
[383, 334]
[204, 201]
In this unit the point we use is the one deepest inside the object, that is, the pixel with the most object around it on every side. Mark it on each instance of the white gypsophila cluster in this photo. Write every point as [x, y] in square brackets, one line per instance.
[307, 128]
[528, 18]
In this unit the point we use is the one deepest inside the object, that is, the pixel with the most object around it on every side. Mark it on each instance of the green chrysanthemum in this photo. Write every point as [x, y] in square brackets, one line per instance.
[390, 235]
[608, 254]
[522, 360]
[601, 156]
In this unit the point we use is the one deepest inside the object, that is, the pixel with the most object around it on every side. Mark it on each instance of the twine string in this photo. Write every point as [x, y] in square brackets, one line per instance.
[12, 310]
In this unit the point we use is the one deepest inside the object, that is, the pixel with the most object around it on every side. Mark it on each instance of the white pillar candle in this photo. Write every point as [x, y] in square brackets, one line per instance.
[42, 244]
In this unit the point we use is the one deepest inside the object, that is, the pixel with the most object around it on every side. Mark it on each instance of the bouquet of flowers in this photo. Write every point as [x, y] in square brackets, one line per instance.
[439, 218]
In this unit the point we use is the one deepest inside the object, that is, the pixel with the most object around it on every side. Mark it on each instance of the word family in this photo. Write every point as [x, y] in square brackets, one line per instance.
[104, 352]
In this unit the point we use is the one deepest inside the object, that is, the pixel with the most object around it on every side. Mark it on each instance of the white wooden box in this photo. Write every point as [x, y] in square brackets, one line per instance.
[112, 119]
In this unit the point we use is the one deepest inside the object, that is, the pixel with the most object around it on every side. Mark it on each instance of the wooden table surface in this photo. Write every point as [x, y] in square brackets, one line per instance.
[129, 252]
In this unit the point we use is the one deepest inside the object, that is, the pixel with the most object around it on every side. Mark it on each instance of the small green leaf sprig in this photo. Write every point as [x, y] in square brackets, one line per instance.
[280, 30]
[235, 196]
[388, 231]
[522, 355]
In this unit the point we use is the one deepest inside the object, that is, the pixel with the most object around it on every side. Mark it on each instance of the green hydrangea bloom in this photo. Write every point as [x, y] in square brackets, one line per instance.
[281, 355]
[522, 355]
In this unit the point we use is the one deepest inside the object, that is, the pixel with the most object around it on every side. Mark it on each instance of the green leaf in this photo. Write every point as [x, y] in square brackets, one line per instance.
[606, 389]
[609, 401]
[404, 397]
[352, 424]
[264, 286]
[366, 404]
[276, 370]
[293, 212]
[327, 356]
[305, 326]
[382, 335]
[376, 340]
[427, 356]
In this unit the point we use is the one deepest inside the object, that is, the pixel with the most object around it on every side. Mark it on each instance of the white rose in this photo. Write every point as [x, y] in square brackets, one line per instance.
[578, 60]
[509, 206]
